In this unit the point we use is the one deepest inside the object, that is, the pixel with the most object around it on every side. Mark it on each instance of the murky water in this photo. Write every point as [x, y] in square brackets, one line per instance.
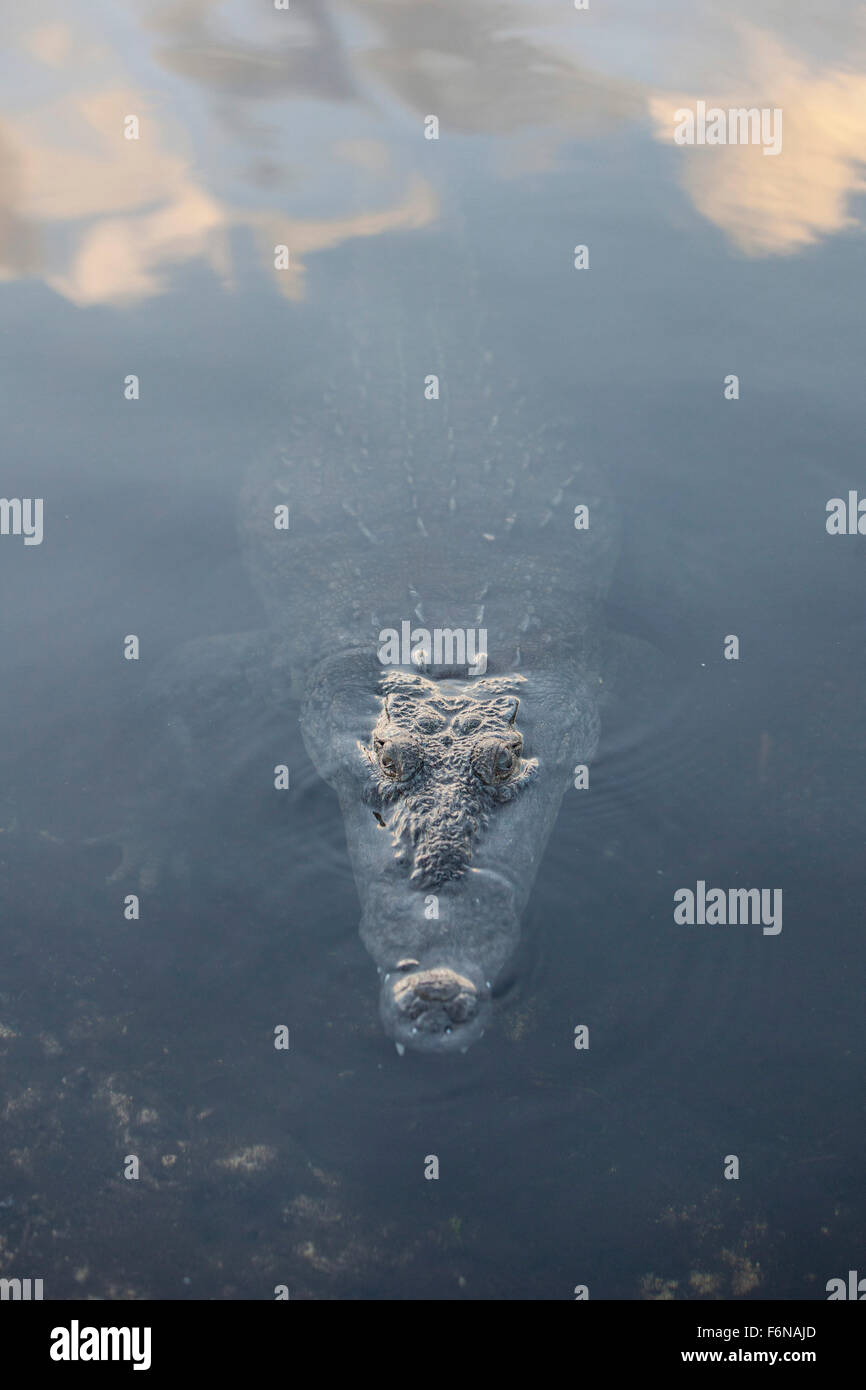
[154, 257]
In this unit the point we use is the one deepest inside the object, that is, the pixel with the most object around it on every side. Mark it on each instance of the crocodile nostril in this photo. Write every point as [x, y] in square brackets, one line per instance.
[435, 1009]
[437, 989]
[438, 998]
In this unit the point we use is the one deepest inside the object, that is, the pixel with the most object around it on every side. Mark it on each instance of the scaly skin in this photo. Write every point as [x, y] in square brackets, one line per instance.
[440, 763]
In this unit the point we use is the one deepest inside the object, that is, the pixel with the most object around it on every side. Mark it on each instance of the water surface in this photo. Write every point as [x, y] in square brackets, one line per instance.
[155, 257]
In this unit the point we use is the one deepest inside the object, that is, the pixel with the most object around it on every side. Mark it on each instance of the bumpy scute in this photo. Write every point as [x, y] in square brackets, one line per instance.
[440, 762]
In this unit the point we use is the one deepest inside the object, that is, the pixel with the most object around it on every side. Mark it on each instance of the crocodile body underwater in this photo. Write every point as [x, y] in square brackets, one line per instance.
[436, 590]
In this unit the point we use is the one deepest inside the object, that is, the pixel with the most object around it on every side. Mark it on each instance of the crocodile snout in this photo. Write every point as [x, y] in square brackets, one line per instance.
[434, 1010]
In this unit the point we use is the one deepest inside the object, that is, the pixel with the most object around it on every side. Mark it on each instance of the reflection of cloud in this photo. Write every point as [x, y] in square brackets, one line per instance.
[51, 44]
[779, 205]
[125, 258]
[242, 71]
[135, 208]
[72, 163]
[123, 213]
[75, 161]
[418, 209]
[468, 65]
[19, 252]
[299, 57]
[131, 210]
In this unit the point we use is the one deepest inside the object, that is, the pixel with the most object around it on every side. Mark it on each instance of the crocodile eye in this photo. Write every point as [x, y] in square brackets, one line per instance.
[496, 759]
[398, 758]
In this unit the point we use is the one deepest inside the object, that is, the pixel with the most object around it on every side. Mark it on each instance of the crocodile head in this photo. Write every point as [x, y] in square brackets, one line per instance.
[440, 763]
[449, 795]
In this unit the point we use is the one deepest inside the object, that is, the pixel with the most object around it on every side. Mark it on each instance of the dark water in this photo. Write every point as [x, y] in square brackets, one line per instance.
[154, 1038]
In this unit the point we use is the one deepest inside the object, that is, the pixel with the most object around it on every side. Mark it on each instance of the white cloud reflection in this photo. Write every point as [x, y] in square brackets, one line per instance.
[296, 133]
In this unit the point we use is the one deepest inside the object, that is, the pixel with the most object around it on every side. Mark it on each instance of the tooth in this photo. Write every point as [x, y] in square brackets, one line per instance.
[401, 1048]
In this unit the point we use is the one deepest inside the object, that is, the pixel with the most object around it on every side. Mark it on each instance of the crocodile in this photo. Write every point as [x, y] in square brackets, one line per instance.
[423, 484]
[447, 509]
